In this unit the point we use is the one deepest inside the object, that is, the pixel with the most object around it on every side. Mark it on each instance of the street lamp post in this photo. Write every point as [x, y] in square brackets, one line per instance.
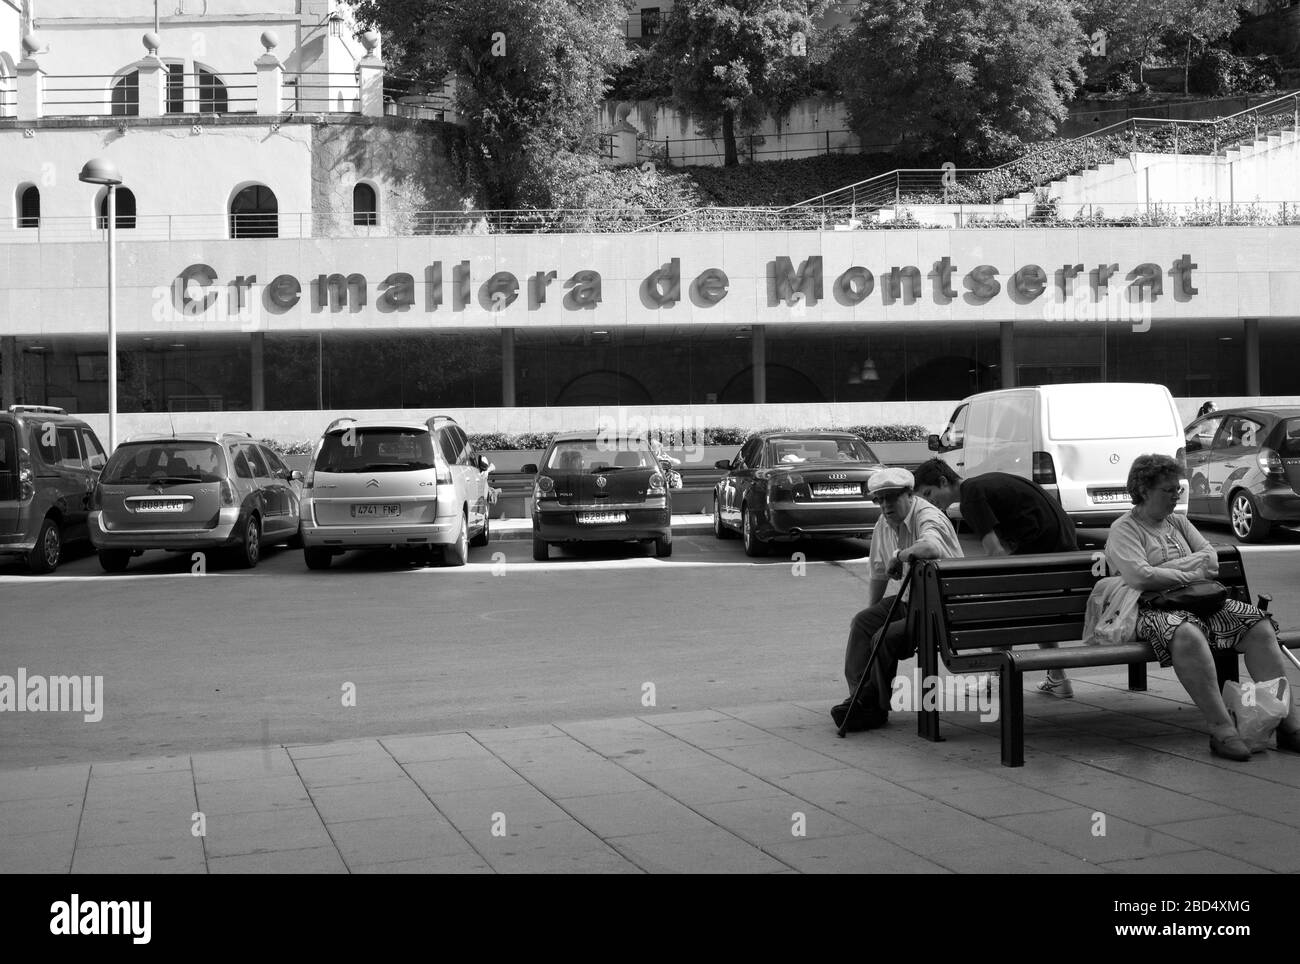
[103, 171]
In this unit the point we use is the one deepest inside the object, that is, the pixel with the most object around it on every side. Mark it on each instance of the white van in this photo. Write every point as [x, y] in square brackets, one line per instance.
[1077, 441]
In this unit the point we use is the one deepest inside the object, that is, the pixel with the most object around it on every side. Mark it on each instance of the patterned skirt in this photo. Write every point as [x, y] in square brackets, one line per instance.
[1223, 630]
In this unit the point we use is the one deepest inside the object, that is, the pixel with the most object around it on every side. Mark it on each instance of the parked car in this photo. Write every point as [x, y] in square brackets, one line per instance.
[194, 492]
[783, 486]
[49, 462]
[600, 488]
[1244, 465]
[1076, 441]
[393, 484]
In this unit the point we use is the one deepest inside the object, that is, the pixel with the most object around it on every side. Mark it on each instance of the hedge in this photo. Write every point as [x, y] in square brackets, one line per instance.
[730, 435]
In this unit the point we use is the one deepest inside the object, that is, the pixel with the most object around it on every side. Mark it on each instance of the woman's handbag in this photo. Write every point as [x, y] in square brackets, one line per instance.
[1202, 598]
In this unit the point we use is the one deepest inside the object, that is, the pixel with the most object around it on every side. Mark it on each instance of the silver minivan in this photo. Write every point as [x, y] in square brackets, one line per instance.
[383, 483]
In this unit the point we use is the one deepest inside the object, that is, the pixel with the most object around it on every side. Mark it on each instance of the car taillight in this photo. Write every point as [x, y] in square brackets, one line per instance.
[1270, 463]
[310, 478]
[26, 483]
[543, 487]
[97, 497]
[1181, 458]
[443, 473]
[227, 493]
[656, 485]
[1044, 469]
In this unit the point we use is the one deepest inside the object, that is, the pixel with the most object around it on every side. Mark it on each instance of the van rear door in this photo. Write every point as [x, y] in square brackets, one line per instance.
[1095, 432]
[1289, 450]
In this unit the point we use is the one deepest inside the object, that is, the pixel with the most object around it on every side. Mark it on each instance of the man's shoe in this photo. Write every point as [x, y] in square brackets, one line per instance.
[1230, 748]
[863, 718]
[1288, 742]
[1060, 688]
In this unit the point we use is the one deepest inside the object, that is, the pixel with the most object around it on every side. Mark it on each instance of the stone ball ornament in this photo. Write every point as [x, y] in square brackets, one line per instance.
[152, 42]
[270, 40]
[370, 40]
[33, 43]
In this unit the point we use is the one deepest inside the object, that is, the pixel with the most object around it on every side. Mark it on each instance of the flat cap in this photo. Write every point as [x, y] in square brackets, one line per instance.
[889, 481]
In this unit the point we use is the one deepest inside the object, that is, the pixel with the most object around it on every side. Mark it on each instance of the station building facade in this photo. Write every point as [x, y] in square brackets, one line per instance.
[301, 247]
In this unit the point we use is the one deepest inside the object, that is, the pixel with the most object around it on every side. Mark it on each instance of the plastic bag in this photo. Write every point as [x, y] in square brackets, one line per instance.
[1257, 709]
[1111, 616]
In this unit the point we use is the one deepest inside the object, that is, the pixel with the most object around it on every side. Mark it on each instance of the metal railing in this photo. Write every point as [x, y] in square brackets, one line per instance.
[751, 147]
[901, 214]
[1035, 168]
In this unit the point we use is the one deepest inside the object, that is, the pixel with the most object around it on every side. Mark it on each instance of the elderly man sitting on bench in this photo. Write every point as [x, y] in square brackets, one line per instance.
[909, 528]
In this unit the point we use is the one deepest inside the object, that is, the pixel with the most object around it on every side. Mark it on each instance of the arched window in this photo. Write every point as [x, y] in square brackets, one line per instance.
[176, 88]
[126, 95]
[125, 209]
[365, 206]
[213, 98]
[254, 213]
[29, 207]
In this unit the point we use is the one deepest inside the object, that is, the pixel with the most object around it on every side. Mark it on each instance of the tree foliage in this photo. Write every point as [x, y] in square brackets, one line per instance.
[527, 76]
[733, 62]
[962, 80]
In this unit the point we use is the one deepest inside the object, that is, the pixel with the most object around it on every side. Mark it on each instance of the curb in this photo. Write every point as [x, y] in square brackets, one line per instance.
[525, 533]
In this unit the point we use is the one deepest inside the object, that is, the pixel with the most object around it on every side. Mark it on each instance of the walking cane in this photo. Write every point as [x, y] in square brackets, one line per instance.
[875, 648]
[1262, 604]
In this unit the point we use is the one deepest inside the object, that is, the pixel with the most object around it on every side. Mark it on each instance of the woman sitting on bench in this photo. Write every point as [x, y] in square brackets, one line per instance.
[1155, 548]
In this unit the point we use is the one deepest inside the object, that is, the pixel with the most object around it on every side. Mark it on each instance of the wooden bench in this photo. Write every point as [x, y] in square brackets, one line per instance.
[987, 615]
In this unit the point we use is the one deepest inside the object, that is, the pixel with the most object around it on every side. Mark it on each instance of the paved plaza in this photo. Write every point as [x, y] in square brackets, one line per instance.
[1114, 782]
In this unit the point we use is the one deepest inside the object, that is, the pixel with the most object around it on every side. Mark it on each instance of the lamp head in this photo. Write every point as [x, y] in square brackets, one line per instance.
[100, 170]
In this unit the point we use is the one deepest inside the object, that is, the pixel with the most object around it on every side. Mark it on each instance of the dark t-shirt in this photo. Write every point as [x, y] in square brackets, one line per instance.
[1021, 512]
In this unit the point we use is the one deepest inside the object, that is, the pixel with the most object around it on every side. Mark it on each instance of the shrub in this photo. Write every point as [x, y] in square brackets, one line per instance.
[292, 447]
[1219, 72]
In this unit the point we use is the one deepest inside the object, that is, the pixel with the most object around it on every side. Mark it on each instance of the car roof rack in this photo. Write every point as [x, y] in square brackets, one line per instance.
[44, 409]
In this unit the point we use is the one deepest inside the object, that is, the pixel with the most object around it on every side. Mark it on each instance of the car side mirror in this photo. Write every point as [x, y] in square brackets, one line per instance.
[932, 443]
[483, 464]
[723, 464]
[529, 469]
[97, 462]
[295, 475]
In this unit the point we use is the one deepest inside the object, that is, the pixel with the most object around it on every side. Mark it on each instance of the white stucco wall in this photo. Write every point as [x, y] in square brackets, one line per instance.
[183, 182]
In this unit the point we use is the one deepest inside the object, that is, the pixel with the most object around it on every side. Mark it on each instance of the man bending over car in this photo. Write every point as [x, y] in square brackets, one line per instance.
[1012, 517]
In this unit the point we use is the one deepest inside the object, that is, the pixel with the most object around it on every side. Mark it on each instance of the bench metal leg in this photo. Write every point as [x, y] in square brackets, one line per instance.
[1012, 707]
[1228, 664]
[1137, 676]
[927, 721]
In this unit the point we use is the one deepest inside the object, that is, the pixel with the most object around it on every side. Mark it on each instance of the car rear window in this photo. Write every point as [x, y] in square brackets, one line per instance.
[178, 461]
[792, 451]
[590, 455]
[1110, 415]
[1290, 439]
[376, 450]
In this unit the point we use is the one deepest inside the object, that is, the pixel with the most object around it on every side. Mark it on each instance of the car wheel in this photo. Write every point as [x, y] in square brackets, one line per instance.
[457, 554]
[48, 552]
[754, 546]
[249, 550]
[541, 549]
[114, 560]
[317, 558]
[664, 547]
[480, 540]
[720, 531]
[1247, 524]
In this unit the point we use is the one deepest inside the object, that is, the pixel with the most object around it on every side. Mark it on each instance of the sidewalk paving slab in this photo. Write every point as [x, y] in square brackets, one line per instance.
[750, 788]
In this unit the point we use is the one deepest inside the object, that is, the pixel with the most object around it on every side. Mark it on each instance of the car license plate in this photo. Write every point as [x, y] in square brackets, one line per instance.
[1110, 495]
[824, 491]
[601, 517]
[161, 505]
[384, 510]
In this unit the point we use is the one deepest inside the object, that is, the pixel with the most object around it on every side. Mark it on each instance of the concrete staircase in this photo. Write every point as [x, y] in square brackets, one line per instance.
[1266, 170]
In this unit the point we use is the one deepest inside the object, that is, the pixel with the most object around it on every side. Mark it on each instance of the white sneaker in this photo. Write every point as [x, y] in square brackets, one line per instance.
[1060, 688]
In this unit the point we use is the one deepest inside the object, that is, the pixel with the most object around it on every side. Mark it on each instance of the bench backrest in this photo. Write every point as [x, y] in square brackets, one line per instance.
[982, 604]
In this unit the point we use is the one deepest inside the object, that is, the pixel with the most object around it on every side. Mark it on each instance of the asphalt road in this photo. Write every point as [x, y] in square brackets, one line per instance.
[233, 659]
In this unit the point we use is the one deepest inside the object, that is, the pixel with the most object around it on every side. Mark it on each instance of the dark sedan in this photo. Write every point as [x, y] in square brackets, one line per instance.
[784, 486]
[1243, 465]
[597, 488]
